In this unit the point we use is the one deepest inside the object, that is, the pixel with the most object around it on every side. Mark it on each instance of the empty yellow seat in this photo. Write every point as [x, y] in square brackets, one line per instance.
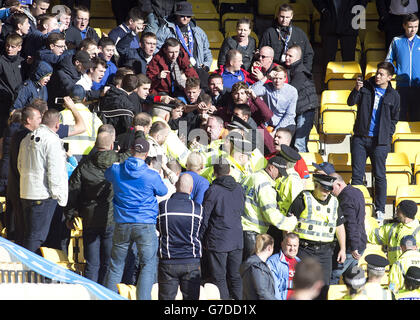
[334, 97]
[313, 140]
[215, 38]
[311, 157]
[199, 7]
[398, 172]
[337, 119]
[127, 291]
[208, 24]
[342, 75]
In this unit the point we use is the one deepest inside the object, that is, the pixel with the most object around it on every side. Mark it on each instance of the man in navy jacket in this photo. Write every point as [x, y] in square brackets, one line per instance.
[179, 223]
[224, 204]
[352, 204]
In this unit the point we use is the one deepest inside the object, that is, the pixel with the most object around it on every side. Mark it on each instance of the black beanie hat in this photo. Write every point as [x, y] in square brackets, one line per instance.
[408, 208]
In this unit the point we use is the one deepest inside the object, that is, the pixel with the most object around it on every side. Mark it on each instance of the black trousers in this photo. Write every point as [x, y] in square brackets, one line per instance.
[324, 255]
[187, 276]
[330, 45]
[224, 272]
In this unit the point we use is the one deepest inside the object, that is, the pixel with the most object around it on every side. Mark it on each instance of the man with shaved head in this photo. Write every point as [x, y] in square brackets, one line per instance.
[90, 194]
[178, 223]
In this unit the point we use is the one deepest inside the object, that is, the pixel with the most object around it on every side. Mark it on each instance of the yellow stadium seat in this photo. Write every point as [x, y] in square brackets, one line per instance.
[407, 139]
[313, 140]
[101, 8]
[334, 97]
[208, 24]
[371, 248]
[311, 157]
[59, 257]
[374, 40]
[103, 23]
[336, 291]
[215, 39]
[342, 164]
[398, 172]
[99, 32]
[268, 7]
[337, 119]
[106, 31]
[368, 200]
[411, 192]
[342, 75]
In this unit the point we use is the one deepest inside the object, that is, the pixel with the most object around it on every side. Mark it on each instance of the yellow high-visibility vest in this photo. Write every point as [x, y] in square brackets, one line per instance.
[317, 222]
[82, 143]
[288, 189]
[261, 209]
[390, 235]
[400, 267]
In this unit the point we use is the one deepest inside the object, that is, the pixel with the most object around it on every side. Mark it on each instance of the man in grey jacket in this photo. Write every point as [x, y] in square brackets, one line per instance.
[192, 38]
[43, 179]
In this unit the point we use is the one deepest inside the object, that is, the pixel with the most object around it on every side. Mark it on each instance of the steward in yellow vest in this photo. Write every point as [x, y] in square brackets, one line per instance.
[373, 290]
[390, 234]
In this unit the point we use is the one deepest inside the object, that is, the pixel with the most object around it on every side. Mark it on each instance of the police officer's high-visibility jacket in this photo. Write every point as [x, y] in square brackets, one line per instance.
[287, 189]
[173, 146]
[82, 143]
[390, 235]
[408, 295]
[400, 267]
[261, 209]
[374, 291]
[317, 222]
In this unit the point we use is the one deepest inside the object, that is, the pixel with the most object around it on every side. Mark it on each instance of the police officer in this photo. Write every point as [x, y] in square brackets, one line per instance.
[261, 208]
[409, 257]
[355, 280]
[390, 235]
[319, 221]
[373, 290]
[412, 285]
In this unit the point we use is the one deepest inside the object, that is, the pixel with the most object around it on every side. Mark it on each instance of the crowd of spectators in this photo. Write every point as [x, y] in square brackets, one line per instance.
[183, 176]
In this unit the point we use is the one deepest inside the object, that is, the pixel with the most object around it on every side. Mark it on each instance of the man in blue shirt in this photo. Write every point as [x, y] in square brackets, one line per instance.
[232, 72]
[378, 107]
[106, 51]
[200, 184]
[405, 52]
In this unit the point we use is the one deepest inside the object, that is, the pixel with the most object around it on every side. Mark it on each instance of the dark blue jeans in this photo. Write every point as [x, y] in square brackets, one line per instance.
[304, 124]
[361, 148]
[224, 272]
[145, 237]
[37, 217]
[97, 245]
[187, 276]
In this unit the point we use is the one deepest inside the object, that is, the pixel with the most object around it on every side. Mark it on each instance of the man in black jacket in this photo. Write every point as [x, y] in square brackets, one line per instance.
[378, 107]
[90, 194]
[79, 29]
[224, 203]
[338, 22]
[282, 35]
[352, 204]
[301, 78]
[179, 223]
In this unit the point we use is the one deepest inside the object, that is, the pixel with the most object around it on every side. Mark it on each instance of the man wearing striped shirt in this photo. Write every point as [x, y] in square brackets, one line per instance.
[179, 222]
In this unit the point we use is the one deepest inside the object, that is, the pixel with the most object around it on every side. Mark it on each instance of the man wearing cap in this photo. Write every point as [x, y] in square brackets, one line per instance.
[352, 204]
[412, 284]
[324, 168]
[193, 39]
[390, 234]
[319, 222]
[409, 257]
[82, 143]
[135, 211]
[69, 71]
[373, 290]
[261, 209]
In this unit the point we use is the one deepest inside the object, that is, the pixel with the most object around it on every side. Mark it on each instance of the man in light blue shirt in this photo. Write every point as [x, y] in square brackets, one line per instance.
[280, 97]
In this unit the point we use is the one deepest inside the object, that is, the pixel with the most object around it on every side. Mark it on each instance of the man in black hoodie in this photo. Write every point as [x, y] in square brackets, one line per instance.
[301, 78]
[282, 35]
[223, 204]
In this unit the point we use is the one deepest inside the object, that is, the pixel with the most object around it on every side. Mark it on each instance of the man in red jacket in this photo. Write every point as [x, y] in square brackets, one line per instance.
[170, 68]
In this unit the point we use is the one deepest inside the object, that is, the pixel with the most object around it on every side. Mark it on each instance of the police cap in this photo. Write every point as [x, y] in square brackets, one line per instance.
[324, 180]
[242, 145]
[355, 277]
[288, 153]
[327, 167]
[280, 163]
[238, 123]
[164, 106]
[408, 241]
[413, 273]
[376, 262]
